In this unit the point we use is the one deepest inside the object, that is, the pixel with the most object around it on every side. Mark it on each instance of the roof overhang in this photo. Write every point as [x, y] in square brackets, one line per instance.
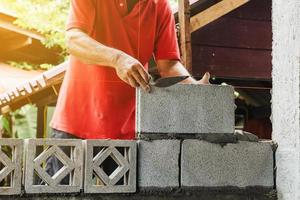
[18, 44]
[41, 90]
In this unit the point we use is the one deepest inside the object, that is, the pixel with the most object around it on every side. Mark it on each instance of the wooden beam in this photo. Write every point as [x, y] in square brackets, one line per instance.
[15, 44]
[43, 97]
[214, 12]
[6, 22]
[49, 81]
[185, 33]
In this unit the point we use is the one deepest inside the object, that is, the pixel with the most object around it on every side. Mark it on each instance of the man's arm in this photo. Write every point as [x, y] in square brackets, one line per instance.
[168, 68]
[89, 51]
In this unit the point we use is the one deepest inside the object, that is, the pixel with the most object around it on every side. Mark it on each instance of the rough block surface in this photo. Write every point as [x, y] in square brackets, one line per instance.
[120, 177]
[158, 165]
[186, 109]
[11, 156]
[243, 164]
[38, 151]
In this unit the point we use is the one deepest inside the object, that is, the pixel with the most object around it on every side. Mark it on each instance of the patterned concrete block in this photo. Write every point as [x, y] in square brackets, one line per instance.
[186, 109]
[158, 164]
[243, 164]
[11, 155]
[40, 154]
[110, 166]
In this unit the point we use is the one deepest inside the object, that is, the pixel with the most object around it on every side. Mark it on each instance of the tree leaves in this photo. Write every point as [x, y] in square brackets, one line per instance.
[45, 16]
[25, 121]
[5, 125]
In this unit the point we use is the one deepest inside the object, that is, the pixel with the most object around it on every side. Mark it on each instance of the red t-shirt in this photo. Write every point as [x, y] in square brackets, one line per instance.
[93, 102]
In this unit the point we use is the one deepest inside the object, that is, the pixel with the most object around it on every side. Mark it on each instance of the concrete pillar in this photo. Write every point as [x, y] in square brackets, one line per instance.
[285, 96]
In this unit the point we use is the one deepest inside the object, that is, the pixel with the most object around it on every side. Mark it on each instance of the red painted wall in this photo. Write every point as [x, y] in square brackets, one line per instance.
[238, 45]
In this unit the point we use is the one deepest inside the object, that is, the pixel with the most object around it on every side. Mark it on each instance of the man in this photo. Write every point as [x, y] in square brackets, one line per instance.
[111, 42]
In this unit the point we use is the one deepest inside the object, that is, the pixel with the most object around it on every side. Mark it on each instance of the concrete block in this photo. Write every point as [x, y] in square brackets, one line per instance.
[110, 166]
[185, 109]
[243, 164]
[158, 164]
[40, 152]
[11, 156]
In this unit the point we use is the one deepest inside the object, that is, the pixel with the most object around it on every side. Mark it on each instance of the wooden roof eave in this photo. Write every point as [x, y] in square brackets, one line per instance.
[18, 43]
[40, 90]
[7, 22]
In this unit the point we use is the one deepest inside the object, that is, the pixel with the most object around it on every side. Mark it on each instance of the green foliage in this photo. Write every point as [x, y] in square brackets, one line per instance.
[48, 17]
[22, 65]
[27, 66]
[5, 125]
[23, 125]
[25, 121]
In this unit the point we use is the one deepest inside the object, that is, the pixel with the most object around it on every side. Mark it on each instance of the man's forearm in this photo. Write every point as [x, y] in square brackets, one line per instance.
[168, 68]
[89, 51]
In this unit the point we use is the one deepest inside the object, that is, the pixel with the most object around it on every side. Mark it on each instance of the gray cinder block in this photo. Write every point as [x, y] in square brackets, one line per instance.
[38, 151]
[11, 165]
[185, 109]
[158, 166]
[110, 166]
[243, 164]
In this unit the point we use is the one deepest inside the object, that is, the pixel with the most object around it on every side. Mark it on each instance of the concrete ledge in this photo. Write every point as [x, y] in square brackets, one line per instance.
[158, 164]
[185, 109]
[205, 194]
[243, 164]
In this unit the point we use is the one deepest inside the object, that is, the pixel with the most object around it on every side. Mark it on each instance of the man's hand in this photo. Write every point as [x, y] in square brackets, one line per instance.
[175, 68]
[205, 79]
[89, 51]
[131, 71]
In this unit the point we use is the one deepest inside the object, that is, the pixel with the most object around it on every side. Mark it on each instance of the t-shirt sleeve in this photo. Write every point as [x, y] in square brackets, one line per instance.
[166, 45]
[82, 15]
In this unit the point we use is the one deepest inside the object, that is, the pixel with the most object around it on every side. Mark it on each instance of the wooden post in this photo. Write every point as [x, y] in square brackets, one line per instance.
[41, 129]
[185, 33]
[214, 12]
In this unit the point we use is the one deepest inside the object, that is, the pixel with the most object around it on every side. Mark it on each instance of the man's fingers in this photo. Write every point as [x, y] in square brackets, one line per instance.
[140, 80]
[131, 80]
[143, 73]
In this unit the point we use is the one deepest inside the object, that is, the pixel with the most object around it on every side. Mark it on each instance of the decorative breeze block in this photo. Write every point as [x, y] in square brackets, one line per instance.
[11, 155]
[110, 166]
[68, 178]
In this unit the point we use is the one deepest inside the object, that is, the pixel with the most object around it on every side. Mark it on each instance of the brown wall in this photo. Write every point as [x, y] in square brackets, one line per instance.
[237, 45]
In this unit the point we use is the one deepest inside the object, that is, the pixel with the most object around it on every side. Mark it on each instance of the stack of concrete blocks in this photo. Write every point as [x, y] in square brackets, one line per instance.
[11, 155]
[68, 151]
[187, 141]
[121, 178]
